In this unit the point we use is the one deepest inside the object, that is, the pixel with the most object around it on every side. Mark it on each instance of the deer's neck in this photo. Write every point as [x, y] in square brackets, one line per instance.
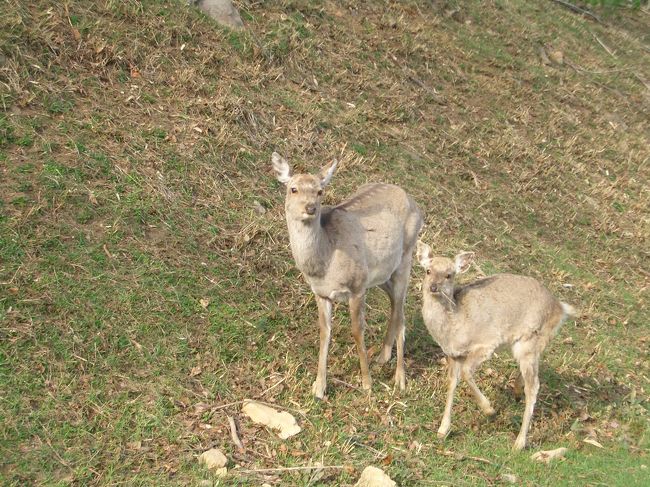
[310, 246]
[439, 312]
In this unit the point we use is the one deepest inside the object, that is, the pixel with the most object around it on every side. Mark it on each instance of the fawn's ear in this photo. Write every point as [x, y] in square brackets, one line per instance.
[326, 172]
[281, 167]
[463, 261]
[423, 254]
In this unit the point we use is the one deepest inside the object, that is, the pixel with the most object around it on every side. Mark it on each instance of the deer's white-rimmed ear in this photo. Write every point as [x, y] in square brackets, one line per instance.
[326, 173]
[423, 254]
[281, 168]
[463, 261]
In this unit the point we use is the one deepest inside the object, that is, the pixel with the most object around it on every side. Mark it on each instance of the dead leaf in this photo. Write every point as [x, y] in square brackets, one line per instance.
[134, 72]
[134, 445]
[76, 34]
[387, 460]
[205, 302]
[284, 422]
[548, 455]
[557, 57]
[195, 371]
[591, 441]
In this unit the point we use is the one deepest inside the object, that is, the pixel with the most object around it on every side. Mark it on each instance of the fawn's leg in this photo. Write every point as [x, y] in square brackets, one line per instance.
[470, 364]
[529, 370]
[453, 371]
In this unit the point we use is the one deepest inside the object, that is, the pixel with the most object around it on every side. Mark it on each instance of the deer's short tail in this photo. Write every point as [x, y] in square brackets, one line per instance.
[568, 310]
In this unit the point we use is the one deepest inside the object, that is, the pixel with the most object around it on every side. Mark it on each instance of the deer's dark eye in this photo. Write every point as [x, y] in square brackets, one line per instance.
[320, 192]
[448, 276]
[294, 190]
[428, 271]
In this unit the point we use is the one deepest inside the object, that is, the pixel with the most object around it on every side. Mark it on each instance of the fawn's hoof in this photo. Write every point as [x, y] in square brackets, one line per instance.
[383, 356]
[520, 444]
[400, 380]
[366, 384]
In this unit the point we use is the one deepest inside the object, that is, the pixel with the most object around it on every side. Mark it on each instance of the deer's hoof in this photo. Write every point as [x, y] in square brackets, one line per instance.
[318, 389]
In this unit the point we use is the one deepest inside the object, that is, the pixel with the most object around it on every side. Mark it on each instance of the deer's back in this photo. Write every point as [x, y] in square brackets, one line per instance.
[502, 309]
[373, 229]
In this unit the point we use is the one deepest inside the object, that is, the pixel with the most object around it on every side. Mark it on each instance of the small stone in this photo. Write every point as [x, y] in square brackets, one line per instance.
[374, 477]
[548, 455]
[213, 458]
[508, 477]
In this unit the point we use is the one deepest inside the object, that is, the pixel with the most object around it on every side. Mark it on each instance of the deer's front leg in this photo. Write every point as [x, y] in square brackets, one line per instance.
[357, 305]
[325, 323]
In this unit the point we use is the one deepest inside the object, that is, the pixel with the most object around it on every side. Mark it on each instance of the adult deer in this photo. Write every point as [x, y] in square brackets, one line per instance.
[472, 321]
[343, 250]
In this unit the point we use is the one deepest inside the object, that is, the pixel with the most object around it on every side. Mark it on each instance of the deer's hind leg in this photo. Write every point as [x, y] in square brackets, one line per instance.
[528, 356]
[357, 309]
[396, 288]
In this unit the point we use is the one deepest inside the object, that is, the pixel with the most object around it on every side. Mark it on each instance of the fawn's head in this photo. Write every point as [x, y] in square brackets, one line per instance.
[441, 271]
[304, 191]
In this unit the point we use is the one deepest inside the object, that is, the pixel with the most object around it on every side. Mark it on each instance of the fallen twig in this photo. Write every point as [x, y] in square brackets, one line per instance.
[460, 456]
[288, 469]
[415, 79]
[234, 435]
[579, 10]
[609, 51]
[334, 379]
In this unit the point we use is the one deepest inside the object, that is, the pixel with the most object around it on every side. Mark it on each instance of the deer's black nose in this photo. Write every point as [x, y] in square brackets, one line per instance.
[434, 288]
[310, 209]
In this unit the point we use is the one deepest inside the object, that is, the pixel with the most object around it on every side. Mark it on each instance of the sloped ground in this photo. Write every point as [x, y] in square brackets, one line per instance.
[146, 279]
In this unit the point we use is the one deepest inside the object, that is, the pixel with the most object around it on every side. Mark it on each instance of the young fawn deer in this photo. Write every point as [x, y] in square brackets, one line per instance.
[343, 250]
[471, 322]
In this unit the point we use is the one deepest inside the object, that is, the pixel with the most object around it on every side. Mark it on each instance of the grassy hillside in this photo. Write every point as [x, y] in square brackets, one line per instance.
[145, 276]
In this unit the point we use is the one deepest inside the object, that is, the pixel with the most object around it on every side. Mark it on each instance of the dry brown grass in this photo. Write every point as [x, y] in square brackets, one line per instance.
[135, 142]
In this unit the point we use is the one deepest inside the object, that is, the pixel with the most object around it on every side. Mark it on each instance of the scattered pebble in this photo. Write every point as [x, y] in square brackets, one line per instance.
[510, 478]
[374, 477]
[548, 455]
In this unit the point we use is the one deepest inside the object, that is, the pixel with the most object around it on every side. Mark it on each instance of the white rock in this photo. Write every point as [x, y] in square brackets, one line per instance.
[283, 422]
[548, 455]
[223, 11]
[374, 477]
[213, 458]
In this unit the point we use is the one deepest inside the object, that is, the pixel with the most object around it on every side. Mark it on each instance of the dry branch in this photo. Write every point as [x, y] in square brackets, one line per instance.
[234, 435]
[579, 10]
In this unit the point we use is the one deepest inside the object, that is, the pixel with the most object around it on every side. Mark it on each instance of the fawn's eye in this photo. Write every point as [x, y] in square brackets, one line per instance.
[428, 271]
[294, 190]
[320, 192]
[448, 276]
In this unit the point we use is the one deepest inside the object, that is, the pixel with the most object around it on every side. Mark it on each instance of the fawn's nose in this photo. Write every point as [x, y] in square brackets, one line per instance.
[310, 209]
[434, 288]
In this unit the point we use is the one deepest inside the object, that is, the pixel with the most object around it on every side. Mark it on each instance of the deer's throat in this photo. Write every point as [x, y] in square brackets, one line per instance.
[310, 247]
